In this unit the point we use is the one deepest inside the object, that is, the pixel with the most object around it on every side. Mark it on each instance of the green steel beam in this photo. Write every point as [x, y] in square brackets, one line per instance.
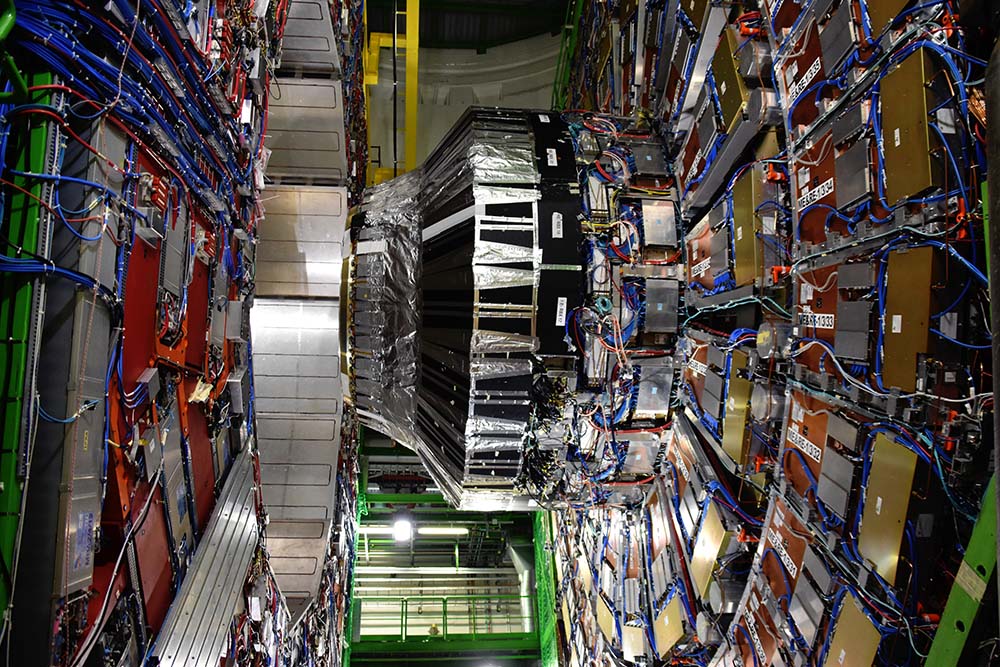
[21, 231]
[970, 585]
[564, 66]
[545, 587]
[495, 643]
[406, 498]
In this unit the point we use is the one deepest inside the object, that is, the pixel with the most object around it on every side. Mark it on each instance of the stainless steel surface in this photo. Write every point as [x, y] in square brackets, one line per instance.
[298, 401]
[306, 132]
[300, 242]
[196, 629]
[309, 44]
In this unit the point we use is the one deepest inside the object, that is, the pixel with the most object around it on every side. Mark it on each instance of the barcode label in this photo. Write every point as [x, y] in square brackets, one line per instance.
[779, 547]
[557, 225]
[807, 448]
[561, 303]
[683, 467]
[551, 157]
[697, 367]
[796, 88]
[694, 166]
[812, 196]
[817, 320]
[701, 267]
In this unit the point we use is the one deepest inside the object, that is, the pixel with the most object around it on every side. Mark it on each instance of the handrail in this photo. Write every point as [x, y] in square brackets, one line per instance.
[459, 616]
[8, 17]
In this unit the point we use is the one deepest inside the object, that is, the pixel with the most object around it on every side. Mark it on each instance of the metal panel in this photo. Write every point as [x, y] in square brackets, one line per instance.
[907, 315]
[306, 132]
[887, 499]
[906, 133]
[300, 242]
[308, 44]
[855, 639]
[197, 627]
[298, 402]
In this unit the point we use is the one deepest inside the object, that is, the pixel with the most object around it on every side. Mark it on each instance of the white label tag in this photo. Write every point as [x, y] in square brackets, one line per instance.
[779, 546]
[817, 320]
[557, 225]
[796, 89]
[895, 137]
[812, 196]
[551, 157]
[683, 467]
[807, 447]
[798, 412]
[897, 324]
[842, 656]
[739, 233]
[561, 303]
[805, 293]
[543, 118]
[701, 267]
[878, 505]
[804, 177]
[255, 609]
[697, 367]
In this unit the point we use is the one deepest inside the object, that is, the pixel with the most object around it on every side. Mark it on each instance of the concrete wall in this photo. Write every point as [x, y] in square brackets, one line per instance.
[513, 75]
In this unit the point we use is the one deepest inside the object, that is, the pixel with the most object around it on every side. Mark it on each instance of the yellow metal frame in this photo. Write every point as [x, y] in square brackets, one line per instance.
[410, 43]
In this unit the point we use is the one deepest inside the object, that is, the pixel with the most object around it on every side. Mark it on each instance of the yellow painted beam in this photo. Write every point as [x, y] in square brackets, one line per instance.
[376, 42]
[412, 92]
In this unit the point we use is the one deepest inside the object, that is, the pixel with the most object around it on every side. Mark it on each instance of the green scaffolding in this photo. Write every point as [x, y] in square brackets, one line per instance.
[545, 593]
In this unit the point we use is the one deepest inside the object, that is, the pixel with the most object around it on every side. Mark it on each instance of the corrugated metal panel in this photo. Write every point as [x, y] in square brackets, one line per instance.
[299, 253]
[309, 44]
[196, 630]
[306, 132]
[298, 400]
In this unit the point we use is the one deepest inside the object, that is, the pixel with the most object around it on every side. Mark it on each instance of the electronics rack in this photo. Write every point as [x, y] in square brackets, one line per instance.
[131, 171]
[819, 461]
[349, 28]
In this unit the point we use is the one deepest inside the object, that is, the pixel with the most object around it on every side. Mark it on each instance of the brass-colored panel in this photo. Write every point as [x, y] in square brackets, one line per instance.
[735, 435]
[605, 619]
[909, 166]
[883, 11]
[728, 82]
[668, 628]
[584, 573]
[746, 225]
[567, 619]
[633, 642]
[907, 315]
[855, 639]
[887, 500]
[710, 543]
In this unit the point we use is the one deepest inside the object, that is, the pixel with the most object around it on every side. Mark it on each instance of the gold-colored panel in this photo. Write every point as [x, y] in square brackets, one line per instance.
[907, 315]
[633, 642]
[728, 82]
[887, 499]
[883, 11]
[909, 167]
[746, 224]
[668, 628]
[707, 547]
[855, 639]
[735, 435]
[567, 619]
[605, 618]
[584, 573]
